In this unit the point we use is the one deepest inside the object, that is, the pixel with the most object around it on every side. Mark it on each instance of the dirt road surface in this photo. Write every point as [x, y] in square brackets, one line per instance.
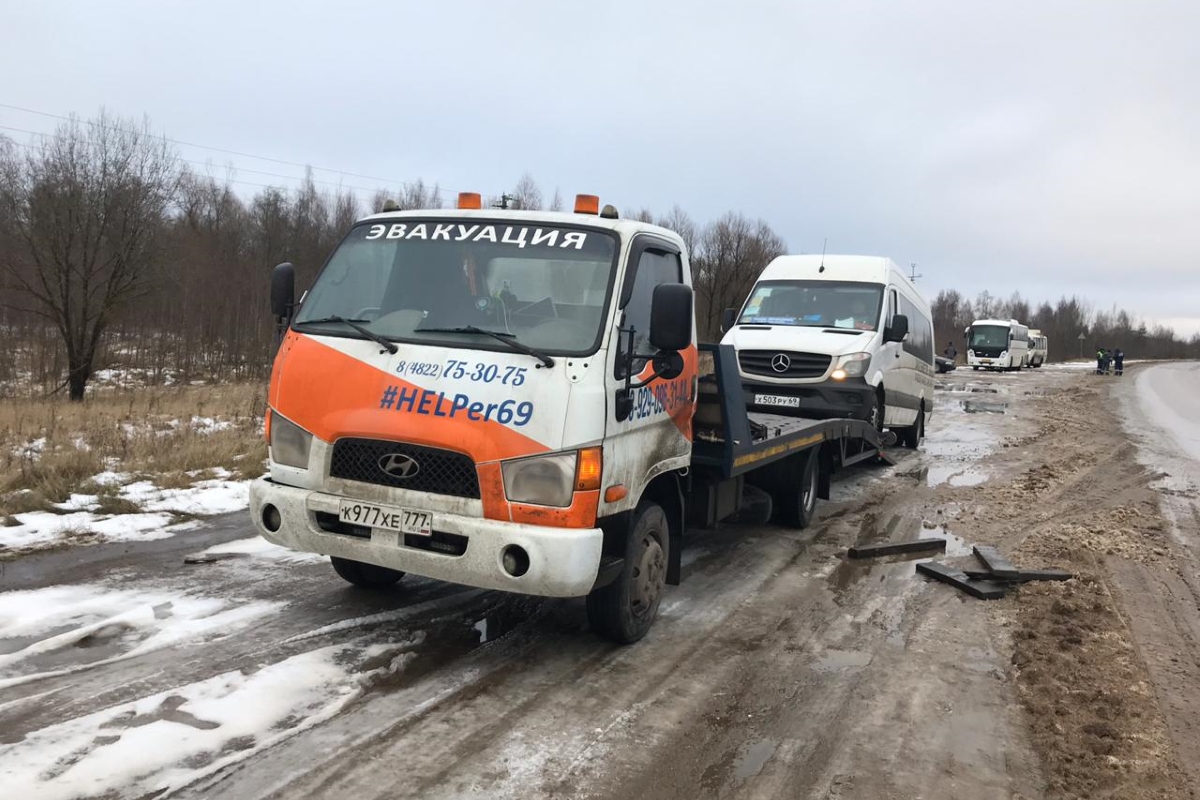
[778, 669]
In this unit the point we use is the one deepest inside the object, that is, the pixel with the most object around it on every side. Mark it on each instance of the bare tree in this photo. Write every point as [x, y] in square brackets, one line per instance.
[731, 253]
[556, 204]
[985, 305]
[527, 195]
[679, 221]
[88, 205]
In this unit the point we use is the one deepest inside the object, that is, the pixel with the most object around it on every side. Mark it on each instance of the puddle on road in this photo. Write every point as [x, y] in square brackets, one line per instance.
[967, 389]
[739, 764]
[955, 545]
[841, 660]
[754, 759]
[984, 406]
[954, 475]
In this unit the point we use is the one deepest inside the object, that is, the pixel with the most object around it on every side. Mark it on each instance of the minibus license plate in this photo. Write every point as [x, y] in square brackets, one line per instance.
[388, 518]
[776, 400]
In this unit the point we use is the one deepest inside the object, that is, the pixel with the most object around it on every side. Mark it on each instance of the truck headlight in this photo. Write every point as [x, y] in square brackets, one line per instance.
[289, 442]
[853, 365]
[541, 480]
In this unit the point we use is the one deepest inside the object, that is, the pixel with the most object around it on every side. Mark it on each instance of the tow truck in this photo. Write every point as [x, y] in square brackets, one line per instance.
[515, 400]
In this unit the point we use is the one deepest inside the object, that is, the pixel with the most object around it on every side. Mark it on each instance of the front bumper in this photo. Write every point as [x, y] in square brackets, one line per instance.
[563, 562]
[824, 400]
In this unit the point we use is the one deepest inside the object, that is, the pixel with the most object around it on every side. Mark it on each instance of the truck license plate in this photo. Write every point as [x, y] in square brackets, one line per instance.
[776, 400]
[388, 518]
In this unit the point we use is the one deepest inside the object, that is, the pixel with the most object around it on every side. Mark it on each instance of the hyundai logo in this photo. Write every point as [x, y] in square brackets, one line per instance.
[780, 362]
[399, 465]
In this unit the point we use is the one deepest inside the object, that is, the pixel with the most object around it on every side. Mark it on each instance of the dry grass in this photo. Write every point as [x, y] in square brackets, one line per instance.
[174, 435]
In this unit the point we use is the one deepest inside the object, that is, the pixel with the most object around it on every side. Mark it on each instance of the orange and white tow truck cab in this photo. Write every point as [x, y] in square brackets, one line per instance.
[493, 398]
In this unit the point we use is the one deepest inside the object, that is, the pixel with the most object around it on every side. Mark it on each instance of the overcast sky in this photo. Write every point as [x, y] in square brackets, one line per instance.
[1045, 147]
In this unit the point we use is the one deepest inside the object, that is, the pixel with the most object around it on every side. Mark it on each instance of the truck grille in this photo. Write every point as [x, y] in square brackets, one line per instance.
[436, 471]
[795, 365]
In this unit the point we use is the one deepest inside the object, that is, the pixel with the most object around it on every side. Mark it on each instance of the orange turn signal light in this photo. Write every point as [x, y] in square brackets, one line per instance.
[267, 425]
[614, 493]
[470, 200]
[587, 204]
[587, 474]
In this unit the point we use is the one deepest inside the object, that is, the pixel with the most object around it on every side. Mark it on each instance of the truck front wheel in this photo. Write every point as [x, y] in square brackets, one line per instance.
[368, 576]
[624, 610]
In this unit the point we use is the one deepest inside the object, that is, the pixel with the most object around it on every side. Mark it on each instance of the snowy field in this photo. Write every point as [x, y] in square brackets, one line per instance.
[80, 520]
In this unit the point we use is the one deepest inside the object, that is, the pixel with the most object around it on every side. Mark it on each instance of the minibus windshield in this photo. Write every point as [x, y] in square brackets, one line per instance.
[818, 304]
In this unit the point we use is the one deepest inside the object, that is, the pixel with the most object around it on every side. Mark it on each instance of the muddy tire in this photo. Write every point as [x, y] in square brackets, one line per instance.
[878, 410]
[367, 576]
[798, 506]
[624, 610]
[911, 436]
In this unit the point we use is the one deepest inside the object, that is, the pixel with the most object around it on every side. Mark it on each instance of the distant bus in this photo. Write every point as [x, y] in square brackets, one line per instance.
[1039, 350]
[997, 344]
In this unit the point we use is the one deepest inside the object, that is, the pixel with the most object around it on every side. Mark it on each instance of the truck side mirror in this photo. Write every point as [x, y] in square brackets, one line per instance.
[283, 290]
[728, 319]
[671, 317]
[897, 330]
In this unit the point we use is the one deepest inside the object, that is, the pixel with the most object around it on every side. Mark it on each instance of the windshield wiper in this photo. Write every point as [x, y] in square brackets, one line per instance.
[509, 339]
[387, 346]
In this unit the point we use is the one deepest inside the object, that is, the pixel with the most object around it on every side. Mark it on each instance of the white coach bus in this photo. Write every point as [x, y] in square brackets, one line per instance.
[1039, 349]
[997, 344]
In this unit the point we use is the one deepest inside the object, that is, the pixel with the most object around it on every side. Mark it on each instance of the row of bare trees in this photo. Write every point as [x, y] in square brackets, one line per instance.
[114, 253]
[1063, 323]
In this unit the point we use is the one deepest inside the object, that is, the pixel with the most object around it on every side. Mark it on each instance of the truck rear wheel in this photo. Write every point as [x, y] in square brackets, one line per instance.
[624, 610]
[368, 576]
[799, 505]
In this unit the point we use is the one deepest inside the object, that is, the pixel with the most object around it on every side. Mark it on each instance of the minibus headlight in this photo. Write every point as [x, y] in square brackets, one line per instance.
[542, 480]
[854, 365]
[289, 443]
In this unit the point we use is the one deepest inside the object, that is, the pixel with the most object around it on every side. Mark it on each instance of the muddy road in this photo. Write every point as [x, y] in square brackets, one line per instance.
[777, 669]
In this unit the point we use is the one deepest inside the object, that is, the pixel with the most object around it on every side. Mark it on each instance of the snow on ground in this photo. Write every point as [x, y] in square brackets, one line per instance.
[167, 740]
[158, 520]
[39, 626]
[258, 547]
[1168, 394]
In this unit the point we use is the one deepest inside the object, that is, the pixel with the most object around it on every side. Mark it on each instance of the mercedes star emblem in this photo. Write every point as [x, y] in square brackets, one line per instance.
[780, 362]
[399, 465]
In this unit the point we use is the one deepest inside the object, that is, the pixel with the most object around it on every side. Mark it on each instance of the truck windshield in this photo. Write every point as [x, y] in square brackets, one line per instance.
[988, 336]
[818, 304]
[543, 286]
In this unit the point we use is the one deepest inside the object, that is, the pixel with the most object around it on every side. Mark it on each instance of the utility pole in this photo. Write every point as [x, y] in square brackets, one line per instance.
[505, 199]
[912, 267]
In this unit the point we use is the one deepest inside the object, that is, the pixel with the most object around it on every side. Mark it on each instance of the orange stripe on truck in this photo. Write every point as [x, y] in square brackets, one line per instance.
[335, 395]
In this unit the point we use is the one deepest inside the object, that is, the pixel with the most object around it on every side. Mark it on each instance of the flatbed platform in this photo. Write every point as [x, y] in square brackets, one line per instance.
[731, 440]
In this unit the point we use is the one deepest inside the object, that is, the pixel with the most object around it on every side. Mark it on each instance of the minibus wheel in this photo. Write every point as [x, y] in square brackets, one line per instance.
[911, 436]
[368, 576]
[878, 410]
[799, 502]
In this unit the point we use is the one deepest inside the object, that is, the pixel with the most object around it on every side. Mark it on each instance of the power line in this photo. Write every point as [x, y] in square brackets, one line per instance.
[238, 181]
[236, 168]
[212, 148]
